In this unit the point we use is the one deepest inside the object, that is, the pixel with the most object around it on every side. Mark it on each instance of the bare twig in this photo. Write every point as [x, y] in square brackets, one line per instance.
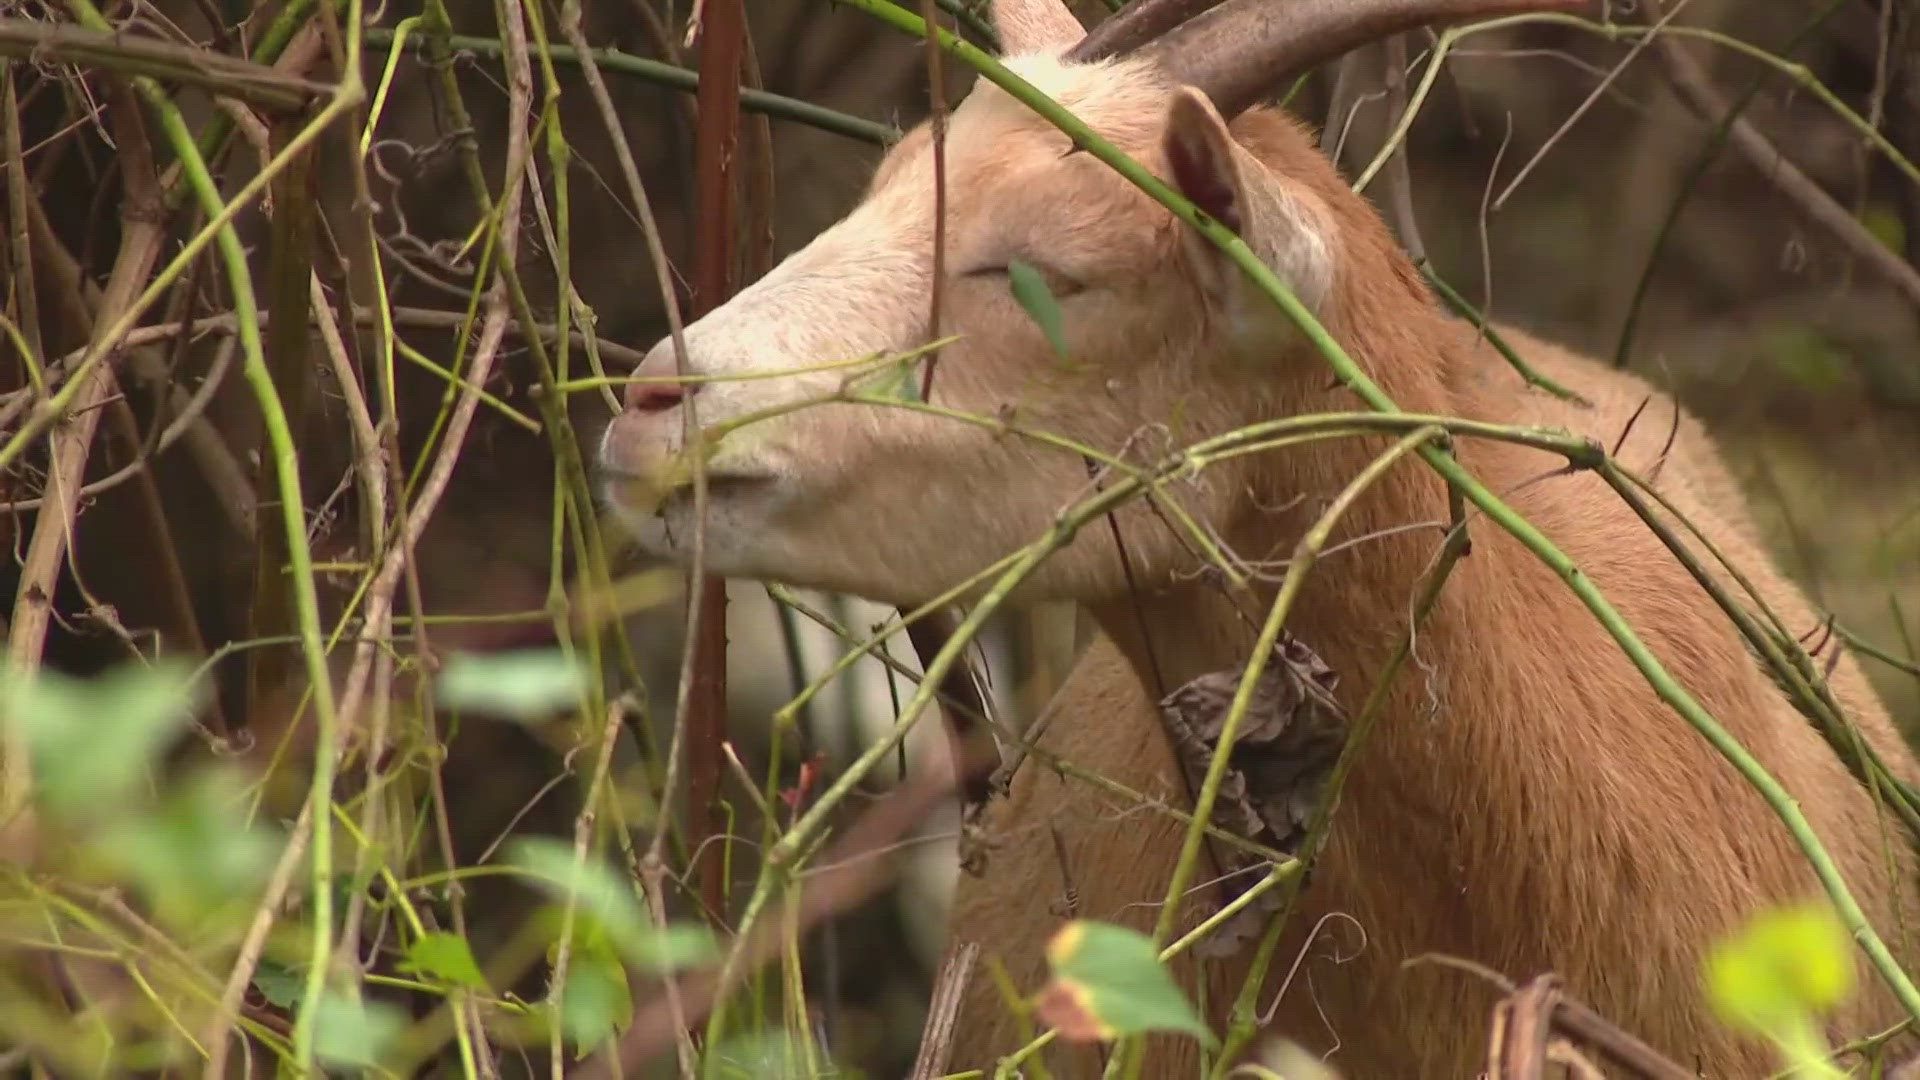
[141, 237]
[583, 827]
[18, 192]
[760, 101]
[1399, 182]
[1594, 95]
[1696, 87]
[256, 84]
[420, 318]
[652, 864]
[218, 464]
[949, 990]
[722, 29]
[1526, 1023]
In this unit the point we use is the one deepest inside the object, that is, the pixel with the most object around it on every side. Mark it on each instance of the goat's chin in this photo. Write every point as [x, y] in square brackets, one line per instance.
[740, 515]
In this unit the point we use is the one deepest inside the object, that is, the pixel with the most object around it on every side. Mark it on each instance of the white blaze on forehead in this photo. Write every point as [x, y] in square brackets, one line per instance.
[860, 287]
[851, 292]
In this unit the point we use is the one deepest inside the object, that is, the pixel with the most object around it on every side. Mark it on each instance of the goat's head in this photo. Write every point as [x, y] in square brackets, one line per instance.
[897, 504]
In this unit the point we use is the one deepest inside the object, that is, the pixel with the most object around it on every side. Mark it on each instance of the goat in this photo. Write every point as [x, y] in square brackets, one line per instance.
[1526, 801]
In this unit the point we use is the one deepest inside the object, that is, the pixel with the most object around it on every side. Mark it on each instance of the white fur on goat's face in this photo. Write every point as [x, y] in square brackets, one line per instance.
[896, 505]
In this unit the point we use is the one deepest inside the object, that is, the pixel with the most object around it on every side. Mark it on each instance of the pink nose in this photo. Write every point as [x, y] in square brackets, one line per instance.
[653, 397]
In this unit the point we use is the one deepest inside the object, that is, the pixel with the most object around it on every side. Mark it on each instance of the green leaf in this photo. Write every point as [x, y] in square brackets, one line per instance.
[595, 1000]
[1030, 289]
[1782, 968]
[354, 1033]
[195, 856]
[751, 1055]
[675, 946]
[446, 957]
[899, 382]
[92, 739]
[608, 901]
[893, 379]
[529, 684]
[1884, 223]
[279, 985]
[1107, 982]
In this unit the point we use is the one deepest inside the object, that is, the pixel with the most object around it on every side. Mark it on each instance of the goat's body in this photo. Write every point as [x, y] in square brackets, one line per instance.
[1526, 802]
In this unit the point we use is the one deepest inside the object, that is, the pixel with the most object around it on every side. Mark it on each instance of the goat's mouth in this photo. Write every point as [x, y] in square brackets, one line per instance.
[655, 493]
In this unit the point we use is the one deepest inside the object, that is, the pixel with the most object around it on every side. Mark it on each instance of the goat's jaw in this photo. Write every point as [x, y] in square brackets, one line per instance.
[647, 481]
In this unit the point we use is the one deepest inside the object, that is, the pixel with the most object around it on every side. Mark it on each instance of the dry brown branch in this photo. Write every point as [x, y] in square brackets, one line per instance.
[141, 235]
[949, 989]
[18, 192]
[583, 827]
[166, 556]
[703, 712]
[652, 864]
[39, 41]
[215, 1036]
[377, 610]
[1399, 182]
[1527, 1023]
[417, 318]
[79, 297]
[1696, 88]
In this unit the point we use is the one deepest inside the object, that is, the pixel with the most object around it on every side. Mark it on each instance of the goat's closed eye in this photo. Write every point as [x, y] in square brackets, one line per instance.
[1061, 285]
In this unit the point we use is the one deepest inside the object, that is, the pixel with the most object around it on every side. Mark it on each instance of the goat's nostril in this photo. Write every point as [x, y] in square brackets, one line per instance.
[657, 396]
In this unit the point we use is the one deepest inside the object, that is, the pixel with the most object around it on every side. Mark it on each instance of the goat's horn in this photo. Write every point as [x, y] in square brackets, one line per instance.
[1238, 51]
[1135, 25]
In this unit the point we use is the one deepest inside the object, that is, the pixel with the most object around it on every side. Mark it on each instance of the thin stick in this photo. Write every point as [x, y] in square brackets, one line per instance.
[943, 1011]
[1606, 83]
[583, 828]
[128, 54]
[853, 873]
[722, 29]
[680, 78]
[1697, 89]
[652, 864]
[141, 237]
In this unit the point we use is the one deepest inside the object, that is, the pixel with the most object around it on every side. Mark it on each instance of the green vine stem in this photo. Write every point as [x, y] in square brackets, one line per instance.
[1465, 309]
[286, 465]
[1305, 553]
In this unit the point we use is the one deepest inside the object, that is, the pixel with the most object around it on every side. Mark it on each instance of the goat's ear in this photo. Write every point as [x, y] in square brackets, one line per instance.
[1274, 217]
[1035, 26]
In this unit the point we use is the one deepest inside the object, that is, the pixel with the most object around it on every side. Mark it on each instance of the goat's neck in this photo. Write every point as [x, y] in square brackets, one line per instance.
[1357, 600]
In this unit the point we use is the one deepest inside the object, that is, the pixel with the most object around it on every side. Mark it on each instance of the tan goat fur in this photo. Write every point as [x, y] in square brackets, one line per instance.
[1525, 802]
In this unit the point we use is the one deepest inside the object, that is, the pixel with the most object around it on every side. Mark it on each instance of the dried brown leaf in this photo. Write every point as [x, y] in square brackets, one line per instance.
[1286, 748]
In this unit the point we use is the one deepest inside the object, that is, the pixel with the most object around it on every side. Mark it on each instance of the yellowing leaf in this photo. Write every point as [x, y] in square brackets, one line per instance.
[1781, 968]
[1108, 981]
